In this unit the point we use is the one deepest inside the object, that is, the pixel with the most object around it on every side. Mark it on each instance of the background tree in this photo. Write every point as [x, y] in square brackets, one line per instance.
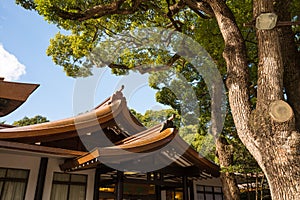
[154, 117]
[274, 144]
[241, 161]
[192, 134]
[30, 121]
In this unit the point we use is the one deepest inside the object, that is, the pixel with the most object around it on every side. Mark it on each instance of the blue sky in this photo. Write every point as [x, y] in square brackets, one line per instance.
[24, 38]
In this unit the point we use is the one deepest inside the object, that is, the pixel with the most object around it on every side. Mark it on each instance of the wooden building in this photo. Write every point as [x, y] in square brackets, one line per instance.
[103, 154]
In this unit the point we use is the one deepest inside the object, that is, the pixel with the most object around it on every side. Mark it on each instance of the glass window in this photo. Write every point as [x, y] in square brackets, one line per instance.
[208, 189]
[78, 178]
[200, 188]
[68, 186]
[61, 177]
[2, 172]
[209, 193]
[209, 196]
[200, 196]
[218, 189]
[218, 196]
[13, 183]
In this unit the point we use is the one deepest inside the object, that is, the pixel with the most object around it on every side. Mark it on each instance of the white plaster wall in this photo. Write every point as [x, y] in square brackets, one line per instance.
[20, 160]
[12, 160]
[53, 166]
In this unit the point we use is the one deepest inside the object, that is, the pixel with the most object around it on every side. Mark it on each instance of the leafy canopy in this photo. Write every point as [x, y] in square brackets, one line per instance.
[38, 119]
[86, 24]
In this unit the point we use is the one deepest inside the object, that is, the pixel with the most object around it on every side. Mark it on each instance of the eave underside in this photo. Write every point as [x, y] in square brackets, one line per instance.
[151, 150]
[13, 95]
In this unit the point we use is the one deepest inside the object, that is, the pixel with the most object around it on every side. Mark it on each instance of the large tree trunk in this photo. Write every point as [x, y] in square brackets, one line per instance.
[291, 59]
[275, 145]
[279, 141]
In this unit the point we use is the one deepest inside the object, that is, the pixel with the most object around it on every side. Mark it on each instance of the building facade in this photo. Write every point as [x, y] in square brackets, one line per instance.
[103, 154]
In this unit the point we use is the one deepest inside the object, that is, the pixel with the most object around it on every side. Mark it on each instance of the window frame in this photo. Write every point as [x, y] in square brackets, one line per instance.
[70, 183]
[6, 179]
[213, 191]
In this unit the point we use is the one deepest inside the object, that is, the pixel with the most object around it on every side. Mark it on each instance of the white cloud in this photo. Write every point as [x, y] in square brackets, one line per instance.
[10, 67]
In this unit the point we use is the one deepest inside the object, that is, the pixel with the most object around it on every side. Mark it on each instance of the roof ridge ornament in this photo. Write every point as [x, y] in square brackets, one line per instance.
[122, 88]
[168, 123]
[118, 95]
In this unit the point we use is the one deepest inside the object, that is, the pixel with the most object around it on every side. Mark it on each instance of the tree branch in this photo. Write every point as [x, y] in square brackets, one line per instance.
[167, 66]
[98, 11]
[237, 72]
[117, 66]
[175, 8]
[143, 70]
[202, 8]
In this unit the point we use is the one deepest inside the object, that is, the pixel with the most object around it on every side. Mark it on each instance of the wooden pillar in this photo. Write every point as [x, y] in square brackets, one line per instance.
[185, 189]
[119, 186]
[158, 192]
[41, 179]
[96, 184]
[157, 178]
[192, 195]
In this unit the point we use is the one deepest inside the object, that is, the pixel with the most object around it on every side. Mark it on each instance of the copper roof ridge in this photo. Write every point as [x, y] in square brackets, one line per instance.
[148, 139]
[117, 95]
[102, 114]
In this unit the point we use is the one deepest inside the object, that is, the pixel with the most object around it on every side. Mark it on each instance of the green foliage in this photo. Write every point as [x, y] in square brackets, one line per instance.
[30, 121]
[27, 4]
[83, 34]
[243, 161]
[68, 51]
[154, 117]
[73, 49]
[200, 140]
[194, 135]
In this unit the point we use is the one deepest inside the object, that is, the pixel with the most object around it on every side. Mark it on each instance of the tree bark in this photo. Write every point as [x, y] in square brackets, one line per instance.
[229, 183]
[279, 141]
[291, 59]
[237, 73]
[275, 145]
[224, 150]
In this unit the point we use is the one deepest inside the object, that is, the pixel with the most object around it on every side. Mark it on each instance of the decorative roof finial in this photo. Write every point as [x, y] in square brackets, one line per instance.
[122, 88]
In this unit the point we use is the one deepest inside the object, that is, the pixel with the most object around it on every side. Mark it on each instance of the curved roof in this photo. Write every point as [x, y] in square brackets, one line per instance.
[129, 141]
[13, 95]
[112, 116]
[164, 146]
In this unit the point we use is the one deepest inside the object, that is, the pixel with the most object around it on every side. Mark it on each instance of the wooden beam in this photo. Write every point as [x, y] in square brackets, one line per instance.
[191, 185]
[41, 179]
[153, 182]
[96, 184]
[180, 171]
[185, 188]
[104, 169]
[158, 192]
[40, 149]
[120, 185]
